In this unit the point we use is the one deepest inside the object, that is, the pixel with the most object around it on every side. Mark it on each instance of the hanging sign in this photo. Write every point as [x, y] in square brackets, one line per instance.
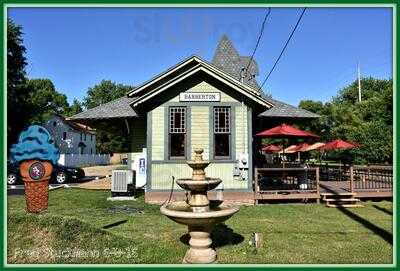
[200, 97]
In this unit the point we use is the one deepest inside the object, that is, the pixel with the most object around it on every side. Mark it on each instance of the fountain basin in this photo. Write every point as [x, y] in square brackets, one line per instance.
[197, 185]
[181, 213]
[196, 165]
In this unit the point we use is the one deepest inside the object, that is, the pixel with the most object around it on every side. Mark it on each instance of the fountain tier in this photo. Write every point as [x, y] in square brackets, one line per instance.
[197, 213]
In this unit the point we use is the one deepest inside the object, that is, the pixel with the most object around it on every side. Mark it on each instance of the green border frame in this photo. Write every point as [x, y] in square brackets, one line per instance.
[197, 3]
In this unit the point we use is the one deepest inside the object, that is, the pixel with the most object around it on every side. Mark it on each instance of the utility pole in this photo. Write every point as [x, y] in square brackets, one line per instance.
[359, 82]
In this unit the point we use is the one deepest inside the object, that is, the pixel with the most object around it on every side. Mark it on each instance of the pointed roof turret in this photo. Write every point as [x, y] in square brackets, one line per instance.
[227, 58]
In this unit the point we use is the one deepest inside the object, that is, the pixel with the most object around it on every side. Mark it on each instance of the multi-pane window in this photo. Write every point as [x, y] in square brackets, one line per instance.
[177, 132]
[222, 132]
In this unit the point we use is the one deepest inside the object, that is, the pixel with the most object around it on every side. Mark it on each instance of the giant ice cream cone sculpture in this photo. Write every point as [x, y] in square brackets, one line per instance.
[35, 152]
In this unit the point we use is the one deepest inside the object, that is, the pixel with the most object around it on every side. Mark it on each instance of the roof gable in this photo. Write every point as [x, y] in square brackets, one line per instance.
[190, 67]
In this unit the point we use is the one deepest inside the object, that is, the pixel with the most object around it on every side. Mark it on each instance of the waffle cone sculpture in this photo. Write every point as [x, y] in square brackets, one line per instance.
[36, 154]
[36, 175]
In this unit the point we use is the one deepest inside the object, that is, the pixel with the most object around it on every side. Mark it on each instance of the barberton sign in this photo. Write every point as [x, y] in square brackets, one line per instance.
[200, 97]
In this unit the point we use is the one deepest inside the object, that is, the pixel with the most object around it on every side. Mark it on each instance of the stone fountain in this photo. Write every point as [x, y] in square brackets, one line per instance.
[198, 214]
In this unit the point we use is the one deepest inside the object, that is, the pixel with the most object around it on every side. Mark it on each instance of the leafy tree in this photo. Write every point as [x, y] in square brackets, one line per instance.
[110, 137]
[16, 63]
[322, 125]
[105, 92]
[74, 108]
[369, 122]
[44, 100]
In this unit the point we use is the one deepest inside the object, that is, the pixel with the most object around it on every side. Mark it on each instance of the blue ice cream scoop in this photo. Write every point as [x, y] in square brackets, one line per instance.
[35, 143]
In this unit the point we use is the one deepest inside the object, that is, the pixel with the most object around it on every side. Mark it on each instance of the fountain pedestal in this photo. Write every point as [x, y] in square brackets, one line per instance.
[200, 250]
[197, 213]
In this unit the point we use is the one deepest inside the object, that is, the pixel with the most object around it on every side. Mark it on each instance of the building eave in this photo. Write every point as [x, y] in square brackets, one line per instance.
[210, 70]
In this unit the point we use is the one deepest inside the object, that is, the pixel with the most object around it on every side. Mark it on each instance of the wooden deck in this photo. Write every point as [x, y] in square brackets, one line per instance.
[343, 188]
[305, 184]
[319, 182]
[286, 184]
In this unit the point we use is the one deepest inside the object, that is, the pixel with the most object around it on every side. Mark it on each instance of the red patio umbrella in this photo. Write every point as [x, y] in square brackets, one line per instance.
[286, 131]
[271, 148]
[302, 147]
[339, 144]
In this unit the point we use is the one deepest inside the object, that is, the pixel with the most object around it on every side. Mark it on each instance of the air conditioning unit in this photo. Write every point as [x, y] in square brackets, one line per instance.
[123, 183]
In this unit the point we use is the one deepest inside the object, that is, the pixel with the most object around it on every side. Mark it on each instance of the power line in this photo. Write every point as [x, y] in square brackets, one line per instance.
[258, 40]
[284, 47]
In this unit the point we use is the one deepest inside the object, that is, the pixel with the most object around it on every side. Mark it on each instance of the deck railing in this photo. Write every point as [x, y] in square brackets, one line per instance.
[284, 181]
[357, 178]
[372, 178]
[335, 173]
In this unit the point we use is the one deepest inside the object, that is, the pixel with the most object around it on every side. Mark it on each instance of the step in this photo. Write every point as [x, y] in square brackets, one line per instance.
[324, 197]
[343, 199]
[344, 205]
[340, 194]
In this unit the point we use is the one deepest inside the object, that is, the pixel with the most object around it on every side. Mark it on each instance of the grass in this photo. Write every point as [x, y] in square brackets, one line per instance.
[79, 227]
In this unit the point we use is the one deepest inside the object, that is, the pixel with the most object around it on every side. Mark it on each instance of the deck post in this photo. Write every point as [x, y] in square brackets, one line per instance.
[317, 179]
[256, 187]
[351, 179]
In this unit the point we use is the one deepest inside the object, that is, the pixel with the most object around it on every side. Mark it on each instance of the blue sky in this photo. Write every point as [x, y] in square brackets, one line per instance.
[78, 47]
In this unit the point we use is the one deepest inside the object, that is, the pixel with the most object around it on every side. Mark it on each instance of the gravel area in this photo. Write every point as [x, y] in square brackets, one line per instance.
[102, 184]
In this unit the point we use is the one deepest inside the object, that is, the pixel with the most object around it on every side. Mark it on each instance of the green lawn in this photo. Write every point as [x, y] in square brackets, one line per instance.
[78, 228]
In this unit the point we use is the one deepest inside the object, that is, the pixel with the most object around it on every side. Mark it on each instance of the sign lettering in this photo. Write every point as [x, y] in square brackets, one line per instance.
[200, 97]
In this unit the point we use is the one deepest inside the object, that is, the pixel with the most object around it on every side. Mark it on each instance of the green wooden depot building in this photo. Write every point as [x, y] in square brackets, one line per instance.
[216, 106]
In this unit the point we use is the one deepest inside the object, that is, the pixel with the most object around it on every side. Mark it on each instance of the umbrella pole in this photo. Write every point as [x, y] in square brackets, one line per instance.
[283, 156]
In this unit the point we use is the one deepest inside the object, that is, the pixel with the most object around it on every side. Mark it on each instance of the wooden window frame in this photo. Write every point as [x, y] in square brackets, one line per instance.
[221, 131]
[184, 132]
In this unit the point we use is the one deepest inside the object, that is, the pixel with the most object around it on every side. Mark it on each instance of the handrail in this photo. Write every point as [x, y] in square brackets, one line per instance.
[287, 169]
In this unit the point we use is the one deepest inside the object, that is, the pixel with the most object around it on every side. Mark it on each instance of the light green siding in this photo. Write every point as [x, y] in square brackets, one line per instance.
[200, 135]
[161, 175]
[224, 171]
[241, 132]
[157, 132]
[206, 87]
[200, 129]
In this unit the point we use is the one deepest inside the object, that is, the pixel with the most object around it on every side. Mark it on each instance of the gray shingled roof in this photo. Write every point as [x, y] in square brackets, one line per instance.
[118, 108]
[284, 110]
[228, 59]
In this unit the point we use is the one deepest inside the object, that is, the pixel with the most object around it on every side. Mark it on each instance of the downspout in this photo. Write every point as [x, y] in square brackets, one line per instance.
[127, 126]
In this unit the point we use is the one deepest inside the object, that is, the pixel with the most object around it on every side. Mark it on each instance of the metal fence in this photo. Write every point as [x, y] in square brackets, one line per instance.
[80, 160]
